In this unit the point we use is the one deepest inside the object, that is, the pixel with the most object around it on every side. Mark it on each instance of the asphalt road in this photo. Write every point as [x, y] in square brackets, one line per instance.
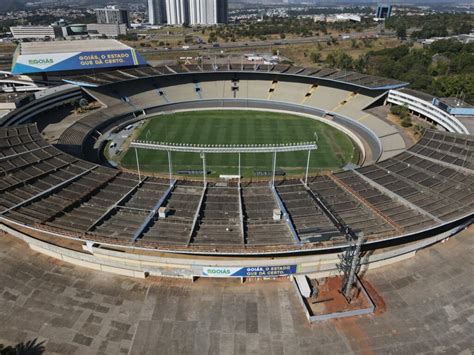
[272, 43]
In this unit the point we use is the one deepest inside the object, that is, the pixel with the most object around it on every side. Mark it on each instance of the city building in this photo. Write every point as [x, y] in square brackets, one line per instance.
[192, 12]
[73, 31]
[207, 12]
[157, 12]
[319, 18]
[177, 12]
[106, 29]
[112, 14]
[383, 12]
[455, 106]
[33, 32]
[463, 38]
[343, 18]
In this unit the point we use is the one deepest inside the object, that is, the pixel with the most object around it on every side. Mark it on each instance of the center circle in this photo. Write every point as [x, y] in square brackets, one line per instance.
[240, 127]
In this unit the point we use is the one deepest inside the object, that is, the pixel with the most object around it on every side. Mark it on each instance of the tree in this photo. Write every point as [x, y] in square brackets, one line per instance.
[315, 57]
[31, 347]
[404, 113]
[340, 59]
[212, 37]
[402, 31]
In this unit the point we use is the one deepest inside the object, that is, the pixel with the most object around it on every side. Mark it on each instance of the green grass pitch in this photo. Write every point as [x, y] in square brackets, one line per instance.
[335, 149]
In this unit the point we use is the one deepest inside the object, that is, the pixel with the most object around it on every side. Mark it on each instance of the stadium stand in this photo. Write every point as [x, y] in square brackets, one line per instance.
[218, 221]
[290, 92]
[353, 211]
[413, 191]
[406, 192]
[309, 220]
[258, 206]
[177, 226]
[344, 77]
[326, 98]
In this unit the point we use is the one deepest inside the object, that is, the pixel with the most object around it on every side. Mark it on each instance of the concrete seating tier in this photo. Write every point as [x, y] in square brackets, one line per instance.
[353, 211]
[258, 205]
[409, 219]
[177, 226]
[307, 217]
[218, 221]
[410, 192]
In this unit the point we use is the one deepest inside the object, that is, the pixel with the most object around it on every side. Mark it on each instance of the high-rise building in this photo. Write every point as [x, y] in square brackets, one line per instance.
[207, 12]
[193, 12]
[222, 11]
[177, 12]
[112, 14]
[157, 12]
[384, 11]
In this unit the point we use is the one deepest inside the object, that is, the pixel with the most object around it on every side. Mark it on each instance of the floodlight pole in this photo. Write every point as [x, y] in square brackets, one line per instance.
[354, 264]
[274, 167]
[170, 166]
[138, 166]
[307, 168]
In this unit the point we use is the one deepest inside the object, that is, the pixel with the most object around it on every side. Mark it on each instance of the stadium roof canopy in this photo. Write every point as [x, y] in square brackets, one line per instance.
[356, 80]
[60, 56]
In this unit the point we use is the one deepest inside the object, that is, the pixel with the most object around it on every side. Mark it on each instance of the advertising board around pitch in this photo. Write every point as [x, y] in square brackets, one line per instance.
[253, 271]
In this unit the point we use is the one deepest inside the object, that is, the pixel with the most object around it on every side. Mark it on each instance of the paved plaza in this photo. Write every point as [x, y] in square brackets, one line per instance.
[429, 309]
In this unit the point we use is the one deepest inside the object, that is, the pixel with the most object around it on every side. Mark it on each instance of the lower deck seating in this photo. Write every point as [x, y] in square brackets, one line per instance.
[258, 206]
[353, 212]
[84, 216]
[176, 228]
[219, 218]
[310, 222]
[409, 219]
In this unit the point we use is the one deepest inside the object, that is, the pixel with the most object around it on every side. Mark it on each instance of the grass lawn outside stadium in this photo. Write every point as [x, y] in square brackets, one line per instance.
[335, 149]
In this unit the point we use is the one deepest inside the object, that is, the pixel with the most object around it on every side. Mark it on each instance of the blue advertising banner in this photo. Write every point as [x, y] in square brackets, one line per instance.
[253, 271]
[76, 61]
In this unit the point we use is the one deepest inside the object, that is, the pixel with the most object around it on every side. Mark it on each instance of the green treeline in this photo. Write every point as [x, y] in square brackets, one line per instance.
[445, 68]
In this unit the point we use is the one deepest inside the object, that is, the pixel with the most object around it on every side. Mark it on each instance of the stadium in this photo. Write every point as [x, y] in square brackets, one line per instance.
[63, 195]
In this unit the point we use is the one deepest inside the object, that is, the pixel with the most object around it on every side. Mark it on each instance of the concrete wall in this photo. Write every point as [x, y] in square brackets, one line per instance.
[101, 258]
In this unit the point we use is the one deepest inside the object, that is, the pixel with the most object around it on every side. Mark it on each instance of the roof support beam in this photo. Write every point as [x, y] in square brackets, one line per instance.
[443, 163]
[20, 154]
[19, 167]
[419, 186]
[396, 197]
[48, 191]
[434, 174]
[115, 205]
